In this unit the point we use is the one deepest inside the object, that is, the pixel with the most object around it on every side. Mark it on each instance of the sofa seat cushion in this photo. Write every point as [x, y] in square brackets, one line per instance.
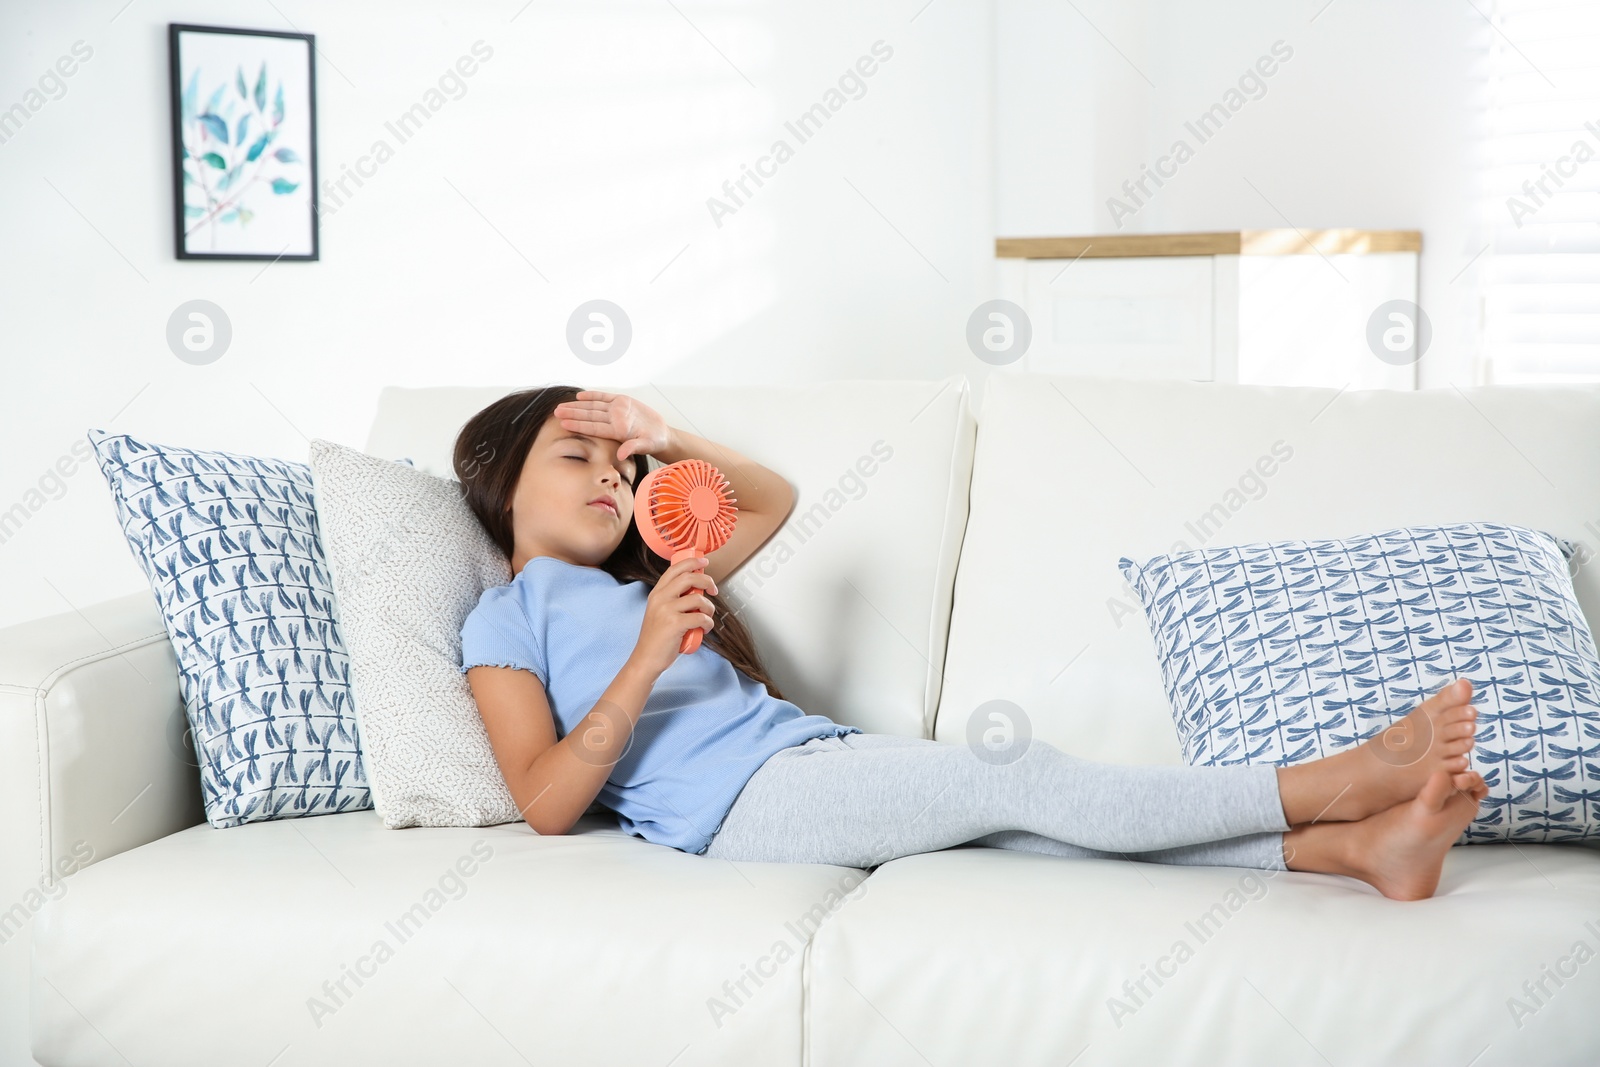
[978, 955]
[450, 944]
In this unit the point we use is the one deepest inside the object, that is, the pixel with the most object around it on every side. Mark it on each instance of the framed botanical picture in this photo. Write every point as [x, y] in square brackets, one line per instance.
[244, 143]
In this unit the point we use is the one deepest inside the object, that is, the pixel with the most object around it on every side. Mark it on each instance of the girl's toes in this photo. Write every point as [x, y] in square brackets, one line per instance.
[1436, 792]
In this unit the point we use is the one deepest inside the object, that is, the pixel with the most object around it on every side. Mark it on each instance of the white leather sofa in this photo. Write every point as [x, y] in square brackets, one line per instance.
[977, 562]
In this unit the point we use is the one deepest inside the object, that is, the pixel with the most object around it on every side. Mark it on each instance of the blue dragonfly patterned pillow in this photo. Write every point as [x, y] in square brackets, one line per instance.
[1283, 652]
[231, 548]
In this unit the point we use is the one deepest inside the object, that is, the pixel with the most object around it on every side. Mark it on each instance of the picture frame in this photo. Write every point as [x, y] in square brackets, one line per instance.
[244, 143]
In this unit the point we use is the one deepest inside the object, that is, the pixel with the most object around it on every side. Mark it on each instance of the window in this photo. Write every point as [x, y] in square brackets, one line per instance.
[1540, 282]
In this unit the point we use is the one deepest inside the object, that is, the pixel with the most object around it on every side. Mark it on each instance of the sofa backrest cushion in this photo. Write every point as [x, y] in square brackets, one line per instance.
[1073, 473]
[849, 602]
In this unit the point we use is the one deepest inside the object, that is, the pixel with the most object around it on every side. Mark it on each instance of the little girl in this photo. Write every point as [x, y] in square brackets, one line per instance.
[587, 702]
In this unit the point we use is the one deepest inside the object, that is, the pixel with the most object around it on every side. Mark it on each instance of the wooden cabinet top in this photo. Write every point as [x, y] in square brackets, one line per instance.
[1229, 243]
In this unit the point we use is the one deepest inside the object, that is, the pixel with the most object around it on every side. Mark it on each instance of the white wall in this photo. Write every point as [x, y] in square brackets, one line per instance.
[590, 141]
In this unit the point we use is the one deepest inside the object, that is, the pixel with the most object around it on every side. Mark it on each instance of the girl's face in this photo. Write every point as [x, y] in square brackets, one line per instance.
[552, 513]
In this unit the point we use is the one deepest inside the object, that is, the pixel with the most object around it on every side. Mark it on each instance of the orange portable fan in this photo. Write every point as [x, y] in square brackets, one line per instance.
[684, 509]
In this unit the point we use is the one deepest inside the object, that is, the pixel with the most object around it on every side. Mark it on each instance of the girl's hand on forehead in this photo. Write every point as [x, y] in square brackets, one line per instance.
[616, 417]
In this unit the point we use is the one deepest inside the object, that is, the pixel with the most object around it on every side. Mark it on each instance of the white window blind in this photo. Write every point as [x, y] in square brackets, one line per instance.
[1540, 283]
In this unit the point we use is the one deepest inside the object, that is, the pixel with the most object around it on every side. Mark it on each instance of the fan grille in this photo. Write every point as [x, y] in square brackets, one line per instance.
[690, 506]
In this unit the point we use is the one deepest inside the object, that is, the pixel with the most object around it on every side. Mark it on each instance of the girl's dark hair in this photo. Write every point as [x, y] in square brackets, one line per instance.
[490, 451]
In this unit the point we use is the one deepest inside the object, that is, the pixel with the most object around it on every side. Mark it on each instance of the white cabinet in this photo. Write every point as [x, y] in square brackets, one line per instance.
[1145, 317]
[1268, 307]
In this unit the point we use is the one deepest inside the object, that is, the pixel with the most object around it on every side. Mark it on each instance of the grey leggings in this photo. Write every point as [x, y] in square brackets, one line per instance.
[859, 800]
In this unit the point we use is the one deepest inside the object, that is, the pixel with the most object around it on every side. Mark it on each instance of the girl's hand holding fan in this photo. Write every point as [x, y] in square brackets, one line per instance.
[679, 605]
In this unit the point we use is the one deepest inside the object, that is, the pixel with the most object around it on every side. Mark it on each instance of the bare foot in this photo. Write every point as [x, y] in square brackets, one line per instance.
[1387, 768]
[1400, 852]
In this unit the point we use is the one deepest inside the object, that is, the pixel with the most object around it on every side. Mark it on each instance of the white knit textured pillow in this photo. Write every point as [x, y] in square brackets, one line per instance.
[409, 562]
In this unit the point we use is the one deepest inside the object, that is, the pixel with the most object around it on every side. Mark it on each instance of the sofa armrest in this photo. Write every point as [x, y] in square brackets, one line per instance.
[95, 757]
[92, 763]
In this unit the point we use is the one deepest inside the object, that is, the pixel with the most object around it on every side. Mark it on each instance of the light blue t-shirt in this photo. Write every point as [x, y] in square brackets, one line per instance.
[705, 729]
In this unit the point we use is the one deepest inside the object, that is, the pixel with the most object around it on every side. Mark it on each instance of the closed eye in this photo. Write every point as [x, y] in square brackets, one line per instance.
[585, 459]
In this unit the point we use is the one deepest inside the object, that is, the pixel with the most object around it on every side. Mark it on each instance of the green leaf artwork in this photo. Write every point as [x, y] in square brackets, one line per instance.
[226, 151]
[188, 96]
[215, 127]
